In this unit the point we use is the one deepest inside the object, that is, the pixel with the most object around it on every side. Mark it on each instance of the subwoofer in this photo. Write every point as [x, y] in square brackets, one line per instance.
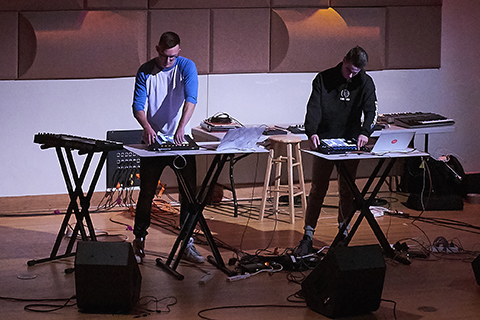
[347, 282]
[107, 277]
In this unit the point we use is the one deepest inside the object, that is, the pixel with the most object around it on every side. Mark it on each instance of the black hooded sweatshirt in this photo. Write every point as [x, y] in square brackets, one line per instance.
[336, 105]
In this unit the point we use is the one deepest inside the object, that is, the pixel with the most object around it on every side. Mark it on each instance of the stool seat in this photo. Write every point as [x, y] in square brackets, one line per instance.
[286, 138]
[291, 143]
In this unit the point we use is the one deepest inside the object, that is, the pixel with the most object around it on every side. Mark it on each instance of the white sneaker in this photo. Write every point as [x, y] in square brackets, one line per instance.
[347, 229]
[191, 253]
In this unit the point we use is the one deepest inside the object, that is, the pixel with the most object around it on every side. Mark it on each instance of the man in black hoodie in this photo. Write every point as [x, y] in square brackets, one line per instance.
[340, 97]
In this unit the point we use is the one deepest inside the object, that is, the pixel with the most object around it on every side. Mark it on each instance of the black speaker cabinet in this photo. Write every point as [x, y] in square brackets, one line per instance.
[107, 277]
[347, 282]
[476, 269]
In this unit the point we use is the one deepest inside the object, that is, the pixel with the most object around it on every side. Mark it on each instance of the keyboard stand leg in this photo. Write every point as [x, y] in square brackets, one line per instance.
[365, 204]
[195, 217]
[233, 161]
[73, 207]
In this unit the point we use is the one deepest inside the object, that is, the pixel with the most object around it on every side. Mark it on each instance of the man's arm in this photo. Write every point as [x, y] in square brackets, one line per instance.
[188, 109]
[370, 113]
[149, 135]
[370, 108]
[370, 119]
[138, 106]
[314, 113]
[190, 75]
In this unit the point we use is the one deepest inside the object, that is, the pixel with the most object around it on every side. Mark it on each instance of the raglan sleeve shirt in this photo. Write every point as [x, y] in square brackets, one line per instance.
[161, 93]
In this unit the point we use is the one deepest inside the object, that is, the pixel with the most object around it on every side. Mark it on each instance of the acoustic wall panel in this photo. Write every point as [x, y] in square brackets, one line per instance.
[194, 41]
[297, 3]
[368, 31]
[240, 40]
[116, 4]
[81, 44]
[29, 5]
[208, 4]
[414, 37]
[304, 40]
[383, 3]
[63, 39]
[9, 47]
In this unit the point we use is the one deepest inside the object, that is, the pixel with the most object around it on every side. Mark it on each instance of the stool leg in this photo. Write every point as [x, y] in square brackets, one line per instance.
[301, 178]
[290, 183]
[276, 190]
[266, 184]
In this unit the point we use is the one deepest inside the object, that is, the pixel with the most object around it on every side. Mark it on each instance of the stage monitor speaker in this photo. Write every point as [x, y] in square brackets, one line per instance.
[476, 269]
[107, 277]
[347, 282]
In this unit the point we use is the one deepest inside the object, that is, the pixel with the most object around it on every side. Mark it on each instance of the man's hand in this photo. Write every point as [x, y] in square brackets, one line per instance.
[314, 142]
[149, 135]
[361, 141]
[179, 136]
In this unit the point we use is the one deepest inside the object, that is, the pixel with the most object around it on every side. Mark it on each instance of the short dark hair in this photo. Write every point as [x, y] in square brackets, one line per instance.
[168, 40]
[358, 57]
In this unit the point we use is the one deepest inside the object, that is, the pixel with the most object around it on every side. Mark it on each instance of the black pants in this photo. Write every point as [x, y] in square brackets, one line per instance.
[322, 170]
[151, 169]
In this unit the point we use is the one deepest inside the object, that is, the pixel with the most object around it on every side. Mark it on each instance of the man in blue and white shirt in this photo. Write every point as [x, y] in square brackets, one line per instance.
[165, 97]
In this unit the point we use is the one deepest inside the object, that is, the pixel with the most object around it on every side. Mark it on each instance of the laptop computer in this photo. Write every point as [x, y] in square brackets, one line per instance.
[396, 141]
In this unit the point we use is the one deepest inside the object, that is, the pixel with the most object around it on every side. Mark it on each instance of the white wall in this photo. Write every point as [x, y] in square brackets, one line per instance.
[89, 108]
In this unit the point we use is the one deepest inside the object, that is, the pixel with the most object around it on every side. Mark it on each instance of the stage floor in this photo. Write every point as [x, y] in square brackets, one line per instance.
[441, 286]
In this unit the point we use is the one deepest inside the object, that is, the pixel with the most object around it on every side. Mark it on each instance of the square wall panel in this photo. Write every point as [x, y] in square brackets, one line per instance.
[368, 26]
[414, 37]
[208, 4]
[299, 4]
[116, 4]
[312, 39]
[9, 41]
[82, 44]
[240, 40]
[40, 5]
[384, 3]
[194, 41]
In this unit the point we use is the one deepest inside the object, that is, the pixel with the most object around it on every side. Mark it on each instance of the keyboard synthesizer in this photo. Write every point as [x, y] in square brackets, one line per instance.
[415, 119]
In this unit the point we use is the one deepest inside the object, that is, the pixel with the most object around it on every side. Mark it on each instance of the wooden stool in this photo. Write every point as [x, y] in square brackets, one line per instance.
[290, 142]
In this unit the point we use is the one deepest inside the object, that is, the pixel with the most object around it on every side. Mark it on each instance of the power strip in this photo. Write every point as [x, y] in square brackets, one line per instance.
[238, 277]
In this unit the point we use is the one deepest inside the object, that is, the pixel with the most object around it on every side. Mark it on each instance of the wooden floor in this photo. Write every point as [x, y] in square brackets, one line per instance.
[441, 286]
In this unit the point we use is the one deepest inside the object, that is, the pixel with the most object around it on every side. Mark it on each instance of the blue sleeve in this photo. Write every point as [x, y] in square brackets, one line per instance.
[140, 91]
[190, 76]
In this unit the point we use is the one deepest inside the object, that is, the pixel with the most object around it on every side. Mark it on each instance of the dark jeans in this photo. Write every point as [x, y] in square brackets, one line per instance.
[151, 169]
[322, 170]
